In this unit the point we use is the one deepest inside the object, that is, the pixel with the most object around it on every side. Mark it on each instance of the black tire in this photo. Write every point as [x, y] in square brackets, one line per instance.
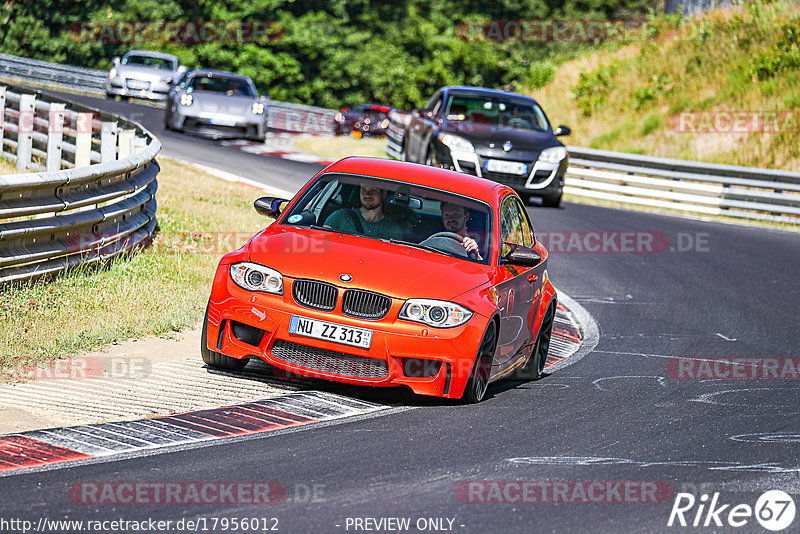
[479, 377]
[533, 368]
[525, 198]
[215, 359]
[552, 201]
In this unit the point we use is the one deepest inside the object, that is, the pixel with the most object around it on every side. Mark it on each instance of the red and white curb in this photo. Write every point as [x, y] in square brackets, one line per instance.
[574, 335]
[41, 448]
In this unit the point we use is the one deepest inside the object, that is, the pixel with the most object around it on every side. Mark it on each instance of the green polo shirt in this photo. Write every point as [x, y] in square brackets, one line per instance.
[385, 228]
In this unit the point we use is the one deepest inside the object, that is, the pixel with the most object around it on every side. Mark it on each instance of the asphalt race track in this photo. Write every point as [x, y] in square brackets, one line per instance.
[651, 405]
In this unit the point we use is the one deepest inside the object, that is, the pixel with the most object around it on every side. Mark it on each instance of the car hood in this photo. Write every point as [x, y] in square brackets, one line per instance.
[145, 72]
[394, 270]
[219, 103]
[480, 135]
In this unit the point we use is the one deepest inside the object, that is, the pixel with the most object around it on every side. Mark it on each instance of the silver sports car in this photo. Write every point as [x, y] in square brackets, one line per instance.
[217, 104]
[143, 74]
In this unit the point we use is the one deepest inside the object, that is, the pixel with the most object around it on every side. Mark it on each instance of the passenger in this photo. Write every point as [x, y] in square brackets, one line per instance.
[369, 219]
[455, 218]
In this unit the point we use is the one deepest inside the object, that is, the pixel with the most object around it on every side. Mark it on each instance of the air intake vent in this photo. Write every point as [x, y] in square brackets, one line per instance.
[365, 304]
[328, 361]
[312, 294]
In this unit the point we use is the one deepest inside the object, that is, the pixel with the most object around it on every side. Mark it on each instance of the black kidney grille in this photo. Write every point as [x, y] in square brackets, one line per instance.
[317, 295]
[365, 304]
[328, 361]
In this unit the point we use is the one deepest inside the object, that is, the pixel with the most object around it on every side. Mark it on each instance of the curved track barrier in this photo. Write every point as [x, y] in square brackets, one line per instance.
[92, 195]
[692, 186]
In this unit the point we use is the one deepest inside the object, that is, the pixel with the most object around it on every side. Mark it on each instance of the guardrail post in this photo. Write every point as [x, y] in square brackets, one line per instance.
[2, 119]
[125, 138]
[27, 108]
[108, 142]
[55, 136]
[83, 140]
[138, 144]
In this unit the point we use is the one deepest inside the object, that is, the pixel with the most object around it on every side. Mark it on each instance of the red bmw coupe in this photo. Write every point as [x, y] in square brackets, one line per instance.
[384, 273]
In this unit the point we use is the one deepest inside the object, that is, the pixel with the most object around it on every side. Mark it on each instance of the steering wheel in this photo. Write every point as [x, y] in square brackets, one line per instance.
[517, 122]
[454, 236]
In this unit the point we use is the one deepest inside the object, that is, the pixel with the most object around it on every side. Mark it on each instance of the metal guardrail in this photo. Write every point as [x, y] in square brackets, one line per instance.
[683, 185]
[281, 116]
[93, 197]
[691, 186]
[22, 69]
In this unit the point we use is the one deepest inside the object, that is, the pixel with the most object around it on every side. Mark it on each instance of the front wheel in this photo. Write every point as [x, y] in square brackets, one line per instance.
[479, 378]
[215, 359]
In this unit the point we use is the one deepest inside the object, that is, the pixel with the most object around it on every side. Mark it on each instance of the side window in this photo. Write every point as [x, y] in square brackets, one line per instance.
[432, 102]
[510, 222]
[515, 227]
[527, 229]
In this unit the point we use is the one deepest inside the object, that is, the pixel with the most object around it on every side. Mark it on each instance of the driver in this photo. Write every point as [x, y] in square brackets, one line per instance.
[454, 219]
[369, 219]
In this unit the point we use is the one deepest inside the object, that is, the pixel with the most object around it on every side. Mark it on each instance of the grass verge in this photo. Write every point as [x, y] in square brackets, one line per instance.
[340, 146]
[160, 290]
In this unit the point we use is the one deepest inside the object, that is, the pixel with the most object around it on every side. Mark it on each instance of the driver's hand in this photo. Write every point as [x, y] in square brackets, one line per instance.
[470, 245]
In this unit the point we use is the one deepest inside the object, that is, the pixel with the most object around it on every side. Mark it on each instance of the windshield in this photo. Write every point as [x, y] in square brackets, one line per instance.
[221, 84]
[430, 219]
[494, 111]
[149, 61]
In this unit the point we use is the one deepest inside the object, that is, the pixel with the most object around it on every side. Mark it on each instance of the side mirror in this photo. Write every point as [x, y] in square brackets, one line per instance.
[521, 255]
[182, 69]
[265, 97]
[269, 206]
[562, 130]
[115, 61]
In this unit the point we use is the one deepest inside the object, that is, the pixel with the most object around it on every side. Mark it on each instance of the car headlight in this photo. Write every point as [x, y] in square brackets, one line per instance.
[438, 313]
[385, 123]
[186, 100]
[112, 73]
[553, 154]
[456, 143]
[258, 108]
[254, 277]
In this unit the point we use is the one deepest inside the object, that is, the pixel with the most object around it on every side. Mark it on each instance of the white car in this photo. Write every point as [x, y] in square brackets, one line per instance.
[143, 74]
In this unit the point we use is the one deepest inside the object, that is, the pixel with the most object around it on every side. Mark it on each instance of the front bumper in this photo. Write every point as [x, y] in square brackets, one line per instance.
[428, 360]
[221, 125]
[150, 90]
[543, 179]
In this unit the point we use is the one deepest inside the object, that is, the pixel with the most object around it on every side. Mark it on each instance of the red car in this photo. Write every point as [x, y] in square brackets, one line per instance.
[384, 273]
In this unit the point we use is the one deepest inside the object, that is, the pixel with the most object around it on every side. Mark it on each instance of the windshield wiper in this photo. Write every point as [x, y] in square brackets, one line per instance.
[329, 229]
[422, 247]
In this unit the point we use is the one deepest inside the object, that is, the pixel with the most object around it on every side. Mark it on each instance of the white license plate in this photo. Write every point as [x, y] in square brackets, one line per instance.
[346, 335]
[138, 84]
[507, 167]
[222, 122]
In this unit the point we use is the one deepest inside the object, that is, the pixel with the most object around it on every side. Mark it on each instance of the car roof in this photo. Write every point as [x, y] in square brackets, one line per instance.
[150, 53]
[414, 173]
[484, 91]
